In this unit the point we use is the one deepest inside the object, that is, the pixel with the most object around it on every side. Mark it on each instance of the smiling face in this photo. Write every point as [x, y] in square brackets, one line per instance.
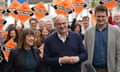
[48, 25]
[44, 33]
[41, 24]
[101, 14]
[101, 18]
[61, 24]
[33, 23]
[13, 34]
[85, 21]
[29, 40]
[77, 29]
[117, 18]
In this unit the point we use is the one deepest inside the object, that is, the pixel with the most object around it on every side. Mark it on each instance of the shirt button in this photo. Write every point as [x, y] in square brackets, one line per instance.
[101, 52]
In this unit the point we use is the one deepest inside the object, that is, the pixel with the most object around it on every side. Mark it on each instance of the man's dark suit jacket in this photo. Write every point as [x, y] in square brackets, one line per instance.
[17, 63]
[55, 48]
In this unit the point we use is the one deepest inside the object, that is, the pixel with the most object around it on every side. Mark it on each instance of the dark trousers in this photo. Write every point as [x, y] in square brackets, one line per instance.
[3, 63]
[101, 69]
[2, 68]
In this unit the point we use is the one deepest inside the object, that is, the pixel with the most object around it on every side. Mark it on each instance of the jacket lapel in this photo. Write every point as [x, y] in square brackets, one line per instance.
[92, 43]
[35, 55]
[108, 44]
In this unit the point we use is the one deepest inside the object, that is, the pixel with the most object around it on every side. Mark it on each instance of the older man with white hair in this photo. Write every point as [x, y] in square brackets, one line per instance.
[64, 51]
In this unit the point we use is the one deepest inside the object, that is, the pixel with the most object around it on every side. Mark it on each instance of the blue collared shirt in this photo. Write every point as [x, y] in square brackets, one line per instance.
[100, 48]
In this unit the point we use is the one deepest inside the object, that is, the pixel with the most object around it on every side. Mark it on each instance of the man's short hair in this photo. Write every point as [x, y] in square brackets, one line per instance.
[33, 19]
[102, 9]
[85, 17]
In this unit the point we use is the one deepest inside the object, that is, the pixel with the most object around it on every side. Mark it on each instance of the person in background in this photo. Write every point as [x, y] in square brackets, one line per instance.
[41, 24]
[74, 22]
[48, 25]
[102, 42]
[80, 22]
[86, 24]
[77, 29]
[115, 19]
[12, 34]
[19, 27]
[64, 50]
[2, 57]
[44, 35]
[33, 25]
[25, 58]
[1, 38]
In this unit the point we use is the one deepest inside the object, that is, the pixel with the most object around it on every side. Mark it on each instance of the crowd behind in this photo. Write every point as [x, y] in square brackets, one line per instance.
[24, 38]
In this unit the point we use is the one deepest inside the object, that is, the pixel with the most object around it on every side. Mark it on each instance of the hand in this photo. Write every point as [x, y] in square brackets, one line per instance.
[69, 59]
[64, 60]
[74, 59]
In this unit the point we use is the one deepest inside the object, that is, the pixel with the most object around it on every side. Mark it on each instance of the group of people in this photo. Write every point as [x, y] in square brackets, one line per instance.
[64, 48]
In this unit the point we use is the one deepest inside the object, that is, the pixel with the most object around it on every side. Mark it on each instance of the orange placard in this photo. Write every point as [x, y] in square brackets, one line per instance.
[64, 7]
[5, 34]
[12, 7]
[2, 23]
[10, 44]
[6, 54]
[23, 12]
[78, 5]
[1, 27]
[2, 11]
[93, 17]
[109, 4]
[57, 1]
[39, 10]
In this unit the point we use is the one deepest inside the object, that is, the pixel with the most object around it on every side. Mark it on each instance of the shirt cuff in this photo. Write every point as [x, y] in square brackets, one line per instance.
[59, 62]
[77, 58]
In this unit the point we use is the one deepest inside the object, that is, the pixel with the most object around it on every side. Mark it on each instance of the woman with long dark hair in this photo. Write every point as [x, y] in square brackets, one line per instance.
[25, 58]
[12, 34]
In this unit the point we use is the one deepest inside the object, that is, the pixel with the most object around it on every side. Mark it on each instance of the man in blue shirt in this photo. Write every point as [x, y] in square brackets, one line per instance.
[102, 42]
[64, 51]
